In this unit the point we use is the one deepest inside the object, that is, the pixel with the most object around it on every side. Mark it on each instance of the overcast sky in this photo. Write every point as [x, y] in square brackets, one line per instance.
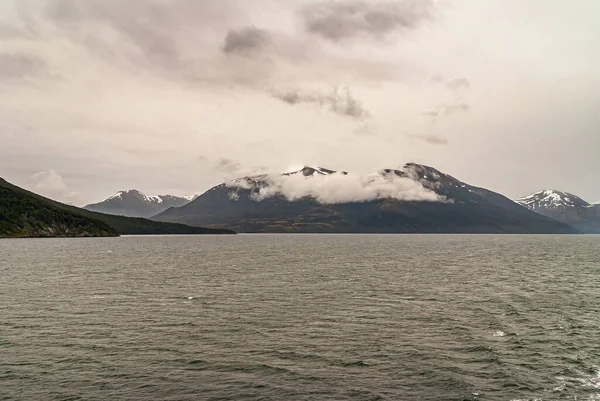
[175, 96]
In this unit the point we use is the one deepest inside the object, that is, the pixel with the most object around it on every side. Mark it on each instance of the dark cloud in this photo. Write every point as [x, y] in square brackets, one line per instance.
[340, 20]
[246, 41]
[17, 66]
[343, 104]
[432, 139]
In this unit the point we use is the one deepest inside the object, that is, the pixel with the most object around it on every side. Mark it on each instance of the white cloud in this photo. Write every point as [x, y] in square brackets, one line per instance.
[342, 188]
[52, 185]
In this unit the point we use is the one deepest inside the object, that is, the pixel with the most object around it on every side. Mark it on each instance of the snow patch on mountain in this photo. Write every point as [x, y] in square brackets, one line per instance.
[150, 199]
[551, 199]
[118, 195]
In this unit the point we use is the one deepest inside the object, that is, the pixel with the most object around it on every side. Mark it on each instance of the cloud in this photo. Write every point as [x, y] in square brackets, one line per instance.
[192, 42]
[454, 84]
[447, 109]
[153, 34]
[232, 169]
[432, 139]
[342, 104]
[458, 83]
[341, 20]
[455, 108]
[246, 41]
[145, 87]
[51, 184]
[341, 188]
[18, 66]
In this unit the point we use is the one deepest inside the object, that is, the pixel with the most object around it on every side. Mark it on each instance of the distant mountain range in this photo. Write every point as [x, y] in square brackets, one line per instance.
[25, 214]
[414, 199]
[565, 207]
[133, 203]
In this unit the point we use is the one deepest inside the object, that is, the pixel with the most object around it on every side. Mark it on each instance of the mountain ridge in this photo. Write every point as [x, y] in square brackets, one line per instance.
[412, 199]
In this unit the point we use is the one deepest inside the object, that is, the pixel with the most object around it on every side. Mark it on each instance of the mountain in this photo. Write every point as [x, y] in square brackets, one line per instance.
[552, 200]
[133, 203]
[565, 207]
[25, 214]
[414, 199]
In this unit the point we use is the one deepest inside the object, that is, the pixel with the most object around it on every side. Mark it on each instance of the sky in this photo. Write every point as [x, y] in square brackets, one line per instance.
[175, 96]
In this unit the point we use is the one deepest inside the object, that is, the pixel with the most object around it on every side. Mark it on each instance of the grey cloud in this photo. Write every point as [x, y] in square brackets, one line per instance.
[246, 41]
[455, 108]
[150, 33]
[177, 40]
[8, 31]
[452, 84]
[431, 113]
[343, 104]
[233, 169]
[458, 83]
[192, 41]
[348, 19]
[448, 109]
[432, 139]
[148, 25]
[228, 166]
[17, 66]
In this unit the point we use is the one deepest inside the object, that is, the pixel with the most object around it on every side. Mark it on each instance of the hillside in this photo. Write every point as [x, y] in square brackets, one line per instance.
[23, 214]
[414, 199]
[26, 214]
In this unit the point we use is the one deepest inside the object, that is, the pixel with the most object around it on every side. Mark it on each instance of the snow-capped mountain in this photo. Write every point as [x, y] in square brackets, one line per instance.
[411, 199]
[552, 199]
[134, 203]
[314, 171]
[565, 207]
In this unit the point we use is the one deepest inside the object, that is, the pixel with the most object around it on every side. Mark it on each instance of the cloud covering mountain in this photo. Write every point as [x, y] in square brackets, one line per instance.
[336, 187]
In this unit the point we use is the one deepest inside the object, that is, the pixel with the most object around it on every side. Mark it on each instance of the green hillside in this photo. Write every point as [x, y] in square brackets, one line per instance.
[25, 214]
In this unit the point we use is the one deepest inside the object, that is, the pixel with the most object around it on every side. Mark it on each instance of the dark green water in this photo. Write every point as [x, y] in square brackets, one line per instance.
[301, 318]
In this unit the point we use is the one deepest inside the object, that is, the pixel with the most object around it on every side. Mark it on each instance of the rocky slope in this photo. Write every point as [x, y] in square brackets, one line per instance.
[413, 199]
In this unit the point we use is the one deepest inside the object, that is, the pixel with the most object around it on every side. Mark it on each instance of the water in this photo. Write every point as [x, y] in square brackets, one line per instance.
[317, 317]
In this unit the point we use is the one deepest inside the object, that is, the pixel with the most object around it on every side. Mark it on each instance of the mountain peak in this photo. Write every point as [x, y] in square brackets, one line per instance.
[134, 193]
[309, 171]
[134, 203]
[552, 199]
